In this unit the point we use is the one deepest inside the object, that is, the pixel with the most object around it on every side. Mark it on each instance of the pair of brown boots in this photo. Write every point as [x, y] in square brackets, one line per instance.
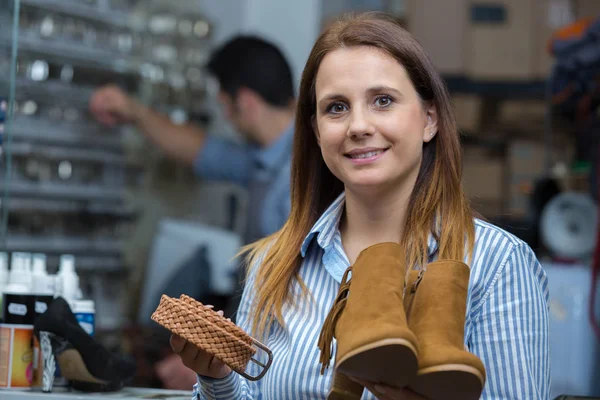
[411, 338]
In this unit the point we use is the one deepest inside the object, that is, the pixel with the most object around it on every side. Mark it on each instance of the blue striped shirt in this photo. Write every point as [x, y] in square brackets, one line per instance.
[506, 320]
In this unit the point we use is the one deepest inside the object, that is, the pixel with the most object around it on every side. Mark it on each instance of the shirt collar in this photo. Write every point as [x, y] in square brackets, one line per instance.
[274, 155]
[327, 225]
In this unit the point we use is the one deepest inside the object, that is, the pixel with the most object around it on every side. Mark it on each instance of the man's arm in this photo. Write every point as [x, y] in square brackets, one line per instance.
[111, 106]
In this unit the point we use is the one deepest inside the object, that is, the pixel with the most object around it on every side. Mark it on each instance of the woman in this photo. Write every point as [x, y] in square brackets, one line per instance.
[377, 159]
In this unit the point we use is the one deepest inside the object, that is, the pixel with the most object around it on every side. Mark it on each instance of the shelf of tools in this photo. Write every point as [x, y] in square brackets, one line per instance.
[70, 180]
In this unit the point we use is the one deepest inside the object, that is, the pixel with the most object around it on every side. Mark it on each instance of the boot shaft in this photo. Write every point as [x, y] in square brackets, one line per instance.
[374, 309]
[439, 303]
[436, 302]
[377, 279]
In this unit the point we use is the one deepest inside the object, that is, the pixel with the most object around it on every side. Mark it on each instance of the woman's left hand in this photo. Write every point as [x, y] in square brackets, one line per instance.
[384, 392]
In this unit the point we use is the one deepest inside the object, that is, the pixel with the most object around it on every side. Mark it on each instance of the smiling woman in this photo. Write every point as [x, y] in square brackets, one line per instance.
[370, 122]
[381, 250]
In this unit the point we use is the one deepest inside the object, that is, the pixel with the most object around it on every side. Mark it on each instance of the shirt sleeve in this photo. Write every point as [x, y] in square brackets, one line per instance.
[234, 386]
[222, 159]
[510, 334]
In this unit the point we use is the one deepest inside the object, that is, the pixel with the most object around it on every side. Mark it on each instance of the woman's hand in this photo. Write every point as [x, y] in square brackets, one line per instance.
[383, 392]
[198, 360]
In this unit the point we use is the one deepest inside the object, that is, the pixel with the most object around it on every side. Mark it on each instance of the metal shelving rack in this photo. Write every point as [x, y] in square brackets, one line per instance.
[71, 183]
[68, 165]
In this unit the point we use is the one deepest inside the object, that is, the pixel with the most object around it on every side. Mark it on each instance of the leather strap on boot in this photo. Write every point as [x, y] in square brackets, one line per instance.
[328, 330]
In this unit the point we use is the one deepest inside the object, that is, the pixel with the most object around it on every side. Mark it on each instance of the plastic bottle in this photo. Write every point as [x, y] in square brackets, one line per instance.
[67, 278]
[27, 261]
[3, 276]
[3, 271]
[42, 282]
[19, 277]
[85, 312]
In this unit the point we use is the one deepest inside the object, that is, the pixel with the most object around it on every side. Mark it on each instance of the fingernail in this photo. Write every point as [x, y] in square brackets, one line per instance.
[220, 312]
[380, 389]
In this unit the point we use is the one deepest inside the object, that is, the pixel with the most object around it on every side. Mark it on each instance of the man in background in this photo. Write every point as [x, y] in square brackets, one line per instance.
[257, 97]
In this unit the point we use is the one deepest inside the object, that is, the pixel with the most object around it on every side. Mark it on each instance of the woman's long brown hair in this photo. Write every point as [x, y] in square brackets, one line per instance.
[437, 204]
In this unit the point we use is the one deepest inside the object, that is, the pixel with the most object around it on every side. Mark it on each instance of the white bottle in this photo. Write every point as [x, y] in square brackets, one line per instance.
[42, 283]
[3, 275]
[27, 261]
[3, 271]
[67, 278]
[20, 274]
[85, 313]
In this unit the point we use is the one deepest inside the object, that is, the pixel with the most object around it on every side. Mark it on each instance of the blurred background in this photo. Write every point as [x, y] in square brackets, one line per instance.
[523, 75]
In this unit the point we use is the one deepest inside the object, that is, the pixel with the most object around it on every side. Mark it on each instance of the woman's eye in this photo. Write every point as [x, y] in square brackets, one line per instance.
[336, 108]
[383, 101]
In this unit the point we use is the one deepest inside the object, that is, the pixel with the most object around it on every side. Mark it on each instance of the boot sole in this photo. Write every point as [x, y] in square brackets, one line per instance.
[449, 382]
[345, 389]
[340, 395]
[392, 362]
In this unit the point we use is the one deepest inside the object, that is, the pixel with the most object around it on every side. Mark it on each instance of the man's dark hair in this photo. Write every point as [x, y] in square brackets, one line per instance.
[251, 62]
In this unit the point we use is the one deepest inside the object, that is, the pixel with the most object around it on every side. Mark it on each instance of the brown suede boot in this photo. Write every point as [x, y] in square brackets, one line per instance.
[435, 307]
[369, 321]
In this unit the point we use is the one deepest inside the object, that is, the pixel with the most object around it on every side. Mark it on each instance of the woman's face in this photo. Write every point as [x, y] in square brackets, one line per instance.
[370, 122]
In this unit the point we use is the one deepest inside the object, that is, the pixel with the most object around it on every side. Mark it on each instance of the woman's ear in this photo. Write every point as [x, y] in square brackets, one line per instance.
[313, 122]
[431, 127]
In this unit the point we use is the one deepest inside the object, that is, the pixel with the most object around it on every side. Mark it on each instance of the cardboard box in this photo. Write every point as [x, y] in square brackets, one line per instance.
[587, 8]
[441, 28]
[492, 39]
[467, 109]
[522, 119]
[483, 181]
[510, 37]
[519, 110]
[503, 40]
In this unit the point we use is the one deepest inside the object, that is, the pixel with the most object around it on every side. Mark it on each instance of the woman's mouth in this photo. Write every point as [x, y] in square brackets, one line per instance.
[364, 156]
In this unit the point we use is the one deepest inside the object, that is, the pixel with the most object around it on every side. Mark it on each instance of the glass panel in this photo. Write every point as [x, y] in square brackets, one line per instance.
[8, 70]
[70, 185]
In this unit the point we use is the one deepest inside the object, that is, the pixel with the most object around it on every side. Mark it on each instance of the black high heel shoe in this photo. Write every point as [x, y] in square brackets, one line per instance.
[82, 360]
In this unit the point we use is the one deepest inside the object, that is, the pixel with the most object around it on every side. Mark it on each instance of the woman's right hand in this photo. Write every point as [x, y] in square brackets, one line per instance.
[198, 360]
